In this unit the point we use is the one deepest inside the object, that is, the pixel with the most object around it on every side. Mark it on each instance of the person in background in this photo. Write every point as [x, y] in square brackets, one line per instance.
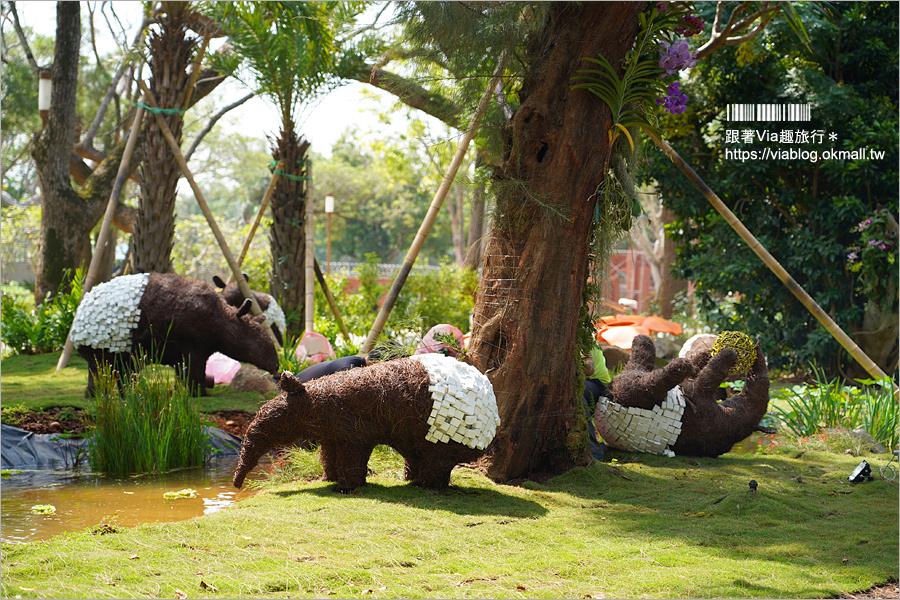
[597, 377]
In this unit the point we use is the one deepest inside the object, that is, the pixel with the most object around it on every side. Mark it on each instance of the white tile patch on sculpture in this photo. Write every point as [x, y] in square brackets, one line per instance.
[464, 408]
[109, 313]
[275, 314]
[634, 429]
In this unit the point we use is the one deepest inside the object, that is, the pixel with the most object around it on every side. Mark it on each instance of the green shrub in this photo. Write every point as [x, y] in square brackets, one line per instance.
[429, 297]
[29, 329]
[831, 404]
[151, 425]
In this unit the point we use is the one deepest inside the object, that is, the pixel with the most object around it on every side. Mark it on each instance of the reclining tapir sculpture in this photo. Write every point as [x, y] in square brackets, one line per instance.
[674, 410]
[233, 296]
[174, 320]
[435, 411]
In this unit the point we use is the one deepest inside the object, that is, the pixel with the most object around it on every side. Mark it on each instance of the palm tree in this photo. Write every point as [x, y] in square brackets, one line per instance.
[172, 47]
[286, 51]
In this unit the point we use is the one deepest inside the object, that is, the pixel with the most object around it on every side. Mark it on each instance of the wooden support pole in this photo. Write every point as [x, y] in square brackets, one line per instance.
[436, 203]
[833, 328]
[259, 214]
[310, 256]
[204, 207]
[103, 236]
[331, 302]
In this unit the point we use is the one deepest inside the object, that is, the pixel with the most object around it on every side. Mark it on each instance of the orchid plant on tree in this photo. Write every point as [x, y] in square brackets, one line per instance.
[651, 69]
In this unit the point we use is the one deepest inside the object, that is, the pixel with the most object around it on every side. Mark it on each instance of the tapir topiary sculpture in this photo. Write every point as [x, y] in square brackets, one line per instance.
[172, 319]
[233, 295]
[675, 409]
[435, 411]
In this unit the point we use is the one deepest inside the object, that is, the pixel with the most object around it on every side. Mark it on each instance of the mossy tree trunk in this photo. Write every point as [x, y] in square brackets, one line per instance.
[535, 265]
[171, 50]
[287, 237]
[65, 241]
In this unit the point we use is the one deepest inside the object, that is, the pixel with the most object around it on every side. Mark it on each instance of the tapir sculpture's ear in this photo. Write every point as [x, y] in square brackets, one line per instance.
[245, 307]
[289, 383]
[218, 281]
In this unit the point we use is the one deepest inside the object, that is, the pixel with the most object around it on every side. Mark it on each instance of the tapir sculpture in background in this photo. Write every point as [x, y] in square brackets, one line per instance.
[435, 411]
[676, 409]
[233, 296]
[171, 319]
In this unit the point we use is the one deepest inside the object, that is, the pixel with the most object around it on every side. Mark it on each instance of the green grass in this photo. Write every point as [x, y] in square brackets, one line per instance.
[33, 382]
[643, 526]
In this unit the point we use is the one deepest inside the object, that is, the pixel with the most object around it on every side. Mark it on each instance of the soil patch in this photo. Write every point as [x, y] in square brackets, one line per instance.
[67, 419]
[890, 590]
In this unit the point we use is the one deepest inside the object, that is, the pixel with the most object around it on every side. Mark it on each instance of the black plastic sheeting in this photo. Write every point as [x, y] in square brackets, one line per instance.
[26, 450]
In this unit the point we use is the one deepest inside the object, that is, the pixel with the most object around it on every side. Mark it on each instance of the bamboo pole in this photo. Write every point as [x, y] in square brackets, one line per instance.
[259, 213]
[331, 302]
[309, 256]
[103, 236]
[436, 203]
[204, 207]
[833, 328]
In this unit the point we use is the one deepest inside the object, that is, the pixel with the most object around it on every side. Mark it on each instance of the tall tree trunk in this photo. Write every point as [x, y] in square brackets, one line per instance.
[64, 236]
[170, 55]
[531, 291]
[457, 223]
[669, 285]
[475, 241]
[287, 237]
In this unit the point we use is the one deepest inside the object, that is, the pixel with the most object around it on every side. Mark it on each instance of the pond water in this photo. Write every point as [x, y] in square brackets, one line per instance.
[87, 500]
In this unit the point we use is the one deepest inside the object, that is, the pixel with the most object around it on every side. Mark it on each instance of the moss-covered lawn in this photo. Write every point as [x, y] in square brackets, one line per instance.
[640, 527]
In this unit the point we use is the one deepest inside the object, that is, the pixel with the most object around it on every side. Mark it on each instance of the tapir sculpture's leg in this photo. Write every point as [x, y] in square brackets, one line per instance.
[346, 465]
[639, 384]
[712, 428]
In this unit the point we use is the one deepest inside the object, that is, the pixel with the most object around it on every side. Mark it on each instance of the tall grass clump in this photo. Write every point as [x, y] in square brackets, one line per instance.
[832, 404]
[146, 422]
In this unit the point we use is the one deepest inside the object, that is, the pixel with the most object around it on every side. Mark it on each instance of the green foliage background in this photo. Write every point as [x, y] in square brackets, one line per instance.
[805, 213]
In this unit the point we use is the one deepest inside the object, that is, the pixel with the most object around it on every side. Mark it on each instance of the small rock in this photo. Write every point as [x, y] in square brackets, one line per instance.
[251, 379]
[874, 445]
[614, 356]
[230, 423]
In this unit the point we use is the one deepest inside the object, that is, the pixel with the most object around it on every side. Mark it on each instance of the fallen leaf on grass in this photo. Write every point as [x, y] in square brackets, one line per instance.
[206, 586]
[180, 594]
[133, 557]
[520, 588]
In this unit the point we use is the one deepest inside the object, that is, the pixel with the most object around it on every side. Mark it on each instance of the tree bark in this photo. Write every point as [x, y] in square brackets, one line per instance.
[64, 237]
[286, 235]
[171, 51]
[531, 292]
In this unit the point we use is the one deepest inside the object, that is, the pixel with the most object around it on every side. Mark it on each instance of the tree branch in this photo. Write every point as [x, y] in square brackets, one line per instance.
[88, 141]
[408, 92]
[212, 122]
[35, 69]
[726, 36]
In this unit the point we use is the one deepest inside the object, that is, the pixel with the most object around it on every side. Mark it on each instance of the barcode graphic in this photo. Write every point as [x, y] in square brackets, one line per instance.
[767, 112]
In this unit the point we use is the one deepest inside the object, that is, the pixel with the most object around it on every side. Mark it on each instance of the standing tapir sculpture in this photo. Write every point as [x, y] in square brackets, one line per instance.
[675, 409]
[174, 320]
[435, 411]
[233, 295]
